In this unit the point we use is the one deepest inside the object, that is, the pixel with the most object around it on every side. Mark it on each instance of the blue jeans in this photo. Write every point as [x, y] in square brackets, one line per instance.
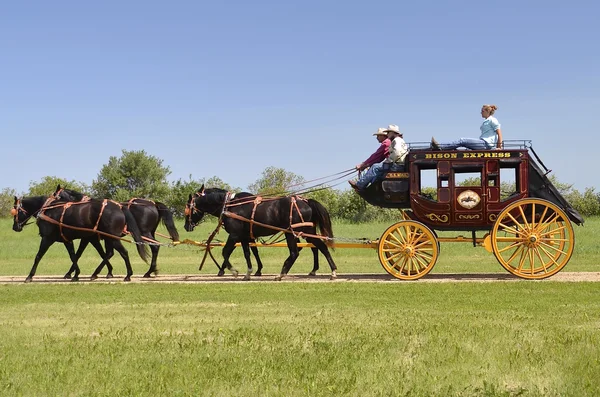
[469, 143]
[375, 172]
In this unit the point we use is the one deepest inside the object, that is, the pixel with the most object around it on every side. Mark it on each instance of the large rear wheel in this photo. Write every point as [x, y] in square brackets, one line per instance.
[408, 250]
[533, 238]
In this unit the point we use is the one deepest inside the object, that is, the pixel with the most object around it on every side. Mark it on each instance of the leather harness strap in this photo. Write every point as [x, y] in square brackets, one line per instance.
[257, 201]
[60, 225]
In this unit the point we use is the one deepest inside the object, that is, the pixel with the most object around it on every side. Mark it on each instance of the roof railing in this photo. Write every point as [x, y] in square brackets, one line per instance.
[506, 144]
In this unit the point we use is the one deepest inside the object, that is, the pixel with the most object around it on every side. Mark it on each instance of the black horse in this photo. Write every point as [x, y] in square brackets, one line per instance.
[244, 220]
[148, 215]
[245, 195]
[61, 221]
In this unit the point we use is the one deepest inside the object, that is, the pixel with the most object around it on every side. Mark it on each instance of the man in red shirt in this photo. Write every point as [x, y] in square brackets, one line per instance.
[380, 154]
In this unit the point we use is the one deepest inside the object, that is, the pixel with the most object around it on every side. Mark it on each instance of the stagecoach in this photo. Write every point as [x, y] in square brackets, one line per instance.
[502, 197]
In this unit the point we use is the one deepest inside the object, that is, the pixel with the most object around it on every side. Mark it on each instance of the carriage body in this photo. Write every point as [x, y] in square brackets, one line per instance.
[503, 194]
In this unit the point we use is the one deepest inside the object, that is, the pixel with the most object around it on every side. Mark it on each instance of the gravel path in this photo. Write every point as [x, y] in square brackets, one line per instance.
[432, 278]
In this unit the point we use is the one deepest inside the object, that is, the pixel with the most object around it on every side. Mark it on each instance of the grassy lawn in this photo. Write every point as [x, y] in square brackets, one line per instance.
[281, 339]
[526, 338]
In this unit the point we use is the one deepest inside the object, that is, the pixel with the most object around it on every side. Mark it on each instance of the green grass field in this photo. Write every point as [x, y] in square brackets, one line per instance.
[281, 339]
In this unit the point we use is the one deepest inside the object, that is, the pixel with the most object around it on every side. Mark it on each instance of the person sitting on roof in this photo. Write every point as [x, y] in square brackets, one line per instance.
[393, 162]
[490, 138]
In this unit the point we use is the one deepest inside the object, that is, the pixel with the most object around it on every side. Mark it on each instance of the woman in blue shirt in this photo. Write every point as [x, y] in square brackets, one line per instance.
[490, 138]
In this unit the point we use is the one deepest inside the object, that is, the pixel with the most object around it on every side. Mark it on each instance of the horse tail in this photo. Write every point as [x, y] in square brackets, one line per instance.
[134, 229]
[321, 218]
[166, 217]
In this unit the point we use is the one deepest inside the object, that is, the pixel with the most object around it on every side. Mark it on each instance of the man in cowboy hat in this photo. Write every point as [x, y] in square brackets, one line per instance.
[380, 154]
[398, 149]
[394, 161]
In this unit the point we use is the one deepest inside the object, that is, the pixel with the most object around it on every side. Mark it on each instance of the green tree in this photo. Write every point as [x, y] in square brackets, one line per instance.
[328, 197]
[48, 184]
[215, 181]
[134, 174]
[276, 181]
[7, 200]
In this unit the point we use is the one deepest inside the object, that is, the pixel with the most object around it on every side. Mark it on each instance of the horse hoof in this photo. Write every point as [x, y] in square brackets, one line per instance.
[28, 279]
[67, 276]
[75, 279]
[93, 277]
[333, 276]
[277, 278]
[109, 275]
[128, 278]
[235, 273]
[246, 278]
[147, 275]
[312, 273]
[258, 274]
[221, 273]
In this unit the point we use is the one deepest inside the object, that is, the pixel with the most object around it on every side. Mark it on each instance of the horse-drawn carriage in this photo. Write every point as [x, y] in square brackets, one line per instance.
[528, 227]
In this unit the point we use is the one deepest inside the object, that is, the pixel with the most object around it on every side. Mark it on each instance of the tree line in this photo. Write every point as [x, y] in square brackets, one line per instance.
[139, 174]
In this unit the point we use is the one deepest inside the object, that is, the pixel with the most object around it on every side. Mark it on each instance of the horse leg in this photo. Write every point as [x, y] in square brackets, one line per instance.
[44, 245]
[96, 244]
[321, 246]
[118, 245]
[227, 251]
[105, 257]
[246, 248]
[153, 268]
[292, 243]
[259, 264]
[315, 252]
[74, 257]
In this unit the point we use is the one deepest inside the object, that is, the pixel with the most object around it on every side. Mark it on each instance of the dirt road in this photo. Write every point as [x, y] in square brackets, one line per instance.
[322, 278]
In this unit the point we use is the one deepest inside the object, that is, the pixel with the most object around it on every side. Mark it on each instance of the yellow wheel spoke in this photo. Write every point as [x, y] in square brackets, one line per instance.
[396, 238]
[549, 256]
[513, 245]
[509, 239]
[554, 248]
[554, 231]
[524, 217]
[543, 215]
[531, 259]
[542, 261]
[509, 229]
[522, 259]
[520, 249]
[546, 224]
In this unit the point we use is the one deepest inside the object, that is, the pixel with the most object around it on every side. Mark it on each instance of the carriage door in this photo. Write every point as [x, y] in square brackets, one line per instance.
[469, 198]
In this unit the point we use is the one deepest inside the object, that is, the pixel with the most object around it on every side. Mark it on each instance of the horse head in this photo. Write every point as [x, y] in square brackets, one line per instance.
[204, 201]
[65, 194]
[193, 215]
[25, 208]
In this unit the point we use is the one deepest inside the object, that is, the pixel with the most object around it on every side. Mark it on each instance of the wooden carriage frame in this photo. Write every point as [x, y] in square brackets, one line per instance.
[528, 229]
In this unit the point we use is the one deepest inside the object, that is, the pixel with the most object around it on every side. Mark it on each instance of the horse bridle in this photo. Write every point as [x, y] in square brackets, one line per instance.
[15, 213]
[19, 208]
[190, 209]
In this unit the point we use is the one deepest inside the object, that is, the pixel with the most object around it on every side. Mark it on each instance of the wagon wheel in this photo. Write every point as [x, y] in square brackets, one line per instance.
[533, 238]
[408, 250]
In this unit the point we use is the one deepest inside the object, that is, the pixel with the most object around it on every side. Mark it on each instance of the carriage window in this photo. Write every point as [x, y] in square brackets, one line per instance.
[428, 186]
[509, 174]
[467, 178]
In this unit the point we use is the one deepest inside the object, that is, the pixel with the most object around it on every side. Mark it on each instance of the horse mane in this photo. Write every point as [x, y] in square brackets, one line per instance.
[214, 195]
[77, 196]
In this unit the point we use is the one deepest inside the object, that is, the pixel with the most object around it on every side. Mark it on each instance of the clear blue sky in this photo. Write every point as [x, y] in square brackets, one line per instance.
[229, 88]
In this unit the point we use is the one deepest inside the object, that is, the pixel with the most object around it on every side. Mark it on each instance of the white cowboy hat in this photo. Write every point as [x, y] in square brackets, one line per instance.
[393, 128]
[380, 131]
